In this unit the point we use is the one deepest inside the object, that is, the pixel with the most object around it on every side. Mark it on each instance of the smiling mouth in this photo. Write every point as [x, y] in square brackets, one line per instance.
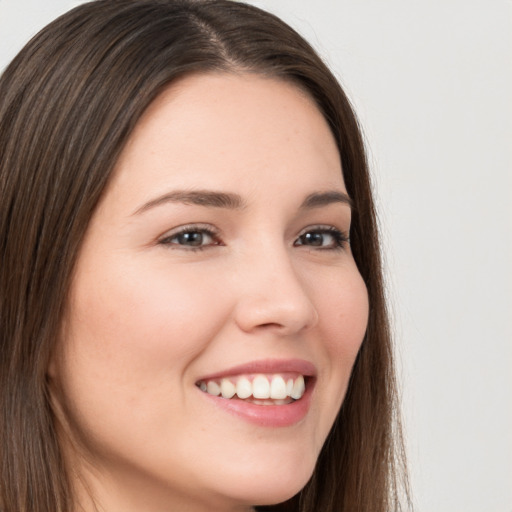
[259, 389]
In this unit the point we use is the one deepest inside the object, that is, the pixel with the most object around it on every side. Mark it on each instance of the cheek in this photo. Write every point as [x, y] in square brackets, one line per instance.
[144, 317]
[343, 309]
[349, 319]
[131, 335]
[343, 312]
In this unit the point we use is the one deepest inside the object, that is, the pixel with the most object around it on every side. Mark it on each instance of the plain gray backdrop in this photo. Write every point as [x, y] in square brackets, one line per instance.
[431, 82]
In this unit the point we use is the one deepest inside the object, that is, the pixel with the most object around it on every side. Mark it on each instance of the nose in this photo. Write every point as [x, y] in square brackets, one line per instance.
[272, 296]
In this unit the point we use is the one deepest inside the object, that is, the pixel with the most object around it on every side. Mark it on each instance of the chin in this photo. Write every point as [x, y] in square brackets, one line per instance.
[271, 485]
[279, 491]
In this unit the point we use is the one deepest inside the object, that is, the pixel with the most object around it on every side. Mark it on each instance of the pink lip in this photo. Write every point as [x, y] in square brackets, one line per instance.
[266, 366]
[267, 415]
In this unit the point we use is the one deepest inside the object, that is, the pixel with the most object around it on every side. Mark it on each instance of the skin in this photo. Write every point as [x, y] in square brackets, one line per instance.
[149, 315]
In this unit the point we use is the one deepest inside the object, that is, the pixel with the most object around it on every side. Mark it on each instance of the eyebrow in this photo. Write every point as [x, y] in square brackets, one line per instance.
[319, 199]
[198, 197]
[232, 201]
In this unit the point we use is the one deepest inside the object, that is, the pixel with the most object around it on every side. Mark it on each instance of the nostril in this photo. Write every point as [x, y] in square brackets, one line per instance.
[271, 326]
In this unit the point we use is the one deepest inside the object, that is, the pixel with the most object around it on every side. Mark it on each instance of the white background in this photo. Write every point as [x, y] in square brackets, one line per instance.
[432, 84]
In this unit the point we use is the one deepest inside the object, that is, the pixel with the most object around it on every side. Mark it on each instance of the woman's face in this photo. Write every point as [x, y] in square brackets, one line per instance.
[216, 262]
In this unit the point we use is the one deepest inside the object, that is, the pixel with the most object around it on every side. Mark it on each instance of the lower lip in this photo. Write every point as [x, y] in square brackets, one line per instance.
[267, 415]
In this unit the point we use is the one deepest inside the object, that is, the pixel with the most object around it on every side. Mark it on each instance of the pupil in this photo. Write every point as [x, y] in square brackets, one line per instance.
[191, 238]
[314, 238]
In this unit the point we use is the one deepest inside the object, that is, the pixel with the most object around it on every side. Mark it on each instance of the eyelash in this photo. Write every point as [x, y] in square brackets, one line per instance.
[193, 228]
[340, 238]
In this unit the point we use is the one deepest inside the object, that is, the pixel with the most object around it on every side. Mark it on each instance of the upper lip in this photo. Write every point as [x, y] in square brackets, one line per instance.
[267, 366]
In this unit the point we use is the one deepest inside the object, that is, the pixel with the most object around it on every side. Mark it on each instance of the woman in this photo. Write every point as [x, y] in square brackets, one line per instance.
[192, 307]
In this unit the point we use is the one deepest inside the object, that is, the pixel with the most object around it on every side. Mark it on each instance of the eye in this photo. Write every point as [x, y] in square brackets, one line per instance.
[191, 237]
[321, 237]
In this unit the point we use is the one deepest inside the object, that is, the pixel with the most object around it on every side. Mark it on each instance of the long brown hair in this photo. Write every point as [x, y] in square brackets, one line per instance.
[68, 103]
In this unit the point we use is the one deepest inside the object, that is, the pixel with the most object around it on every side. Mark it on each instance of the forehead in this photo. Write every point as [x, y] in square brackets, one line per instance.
[231, 130]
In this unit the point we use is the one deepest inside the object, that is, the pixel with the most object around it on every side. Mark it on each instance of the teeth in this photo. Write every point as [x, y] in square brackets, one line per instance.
[298, 388]
[265, 389]
[227, 388]
[289, 387]
[278, 388]
[213, 388]
[243, 388]
[260, 387]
